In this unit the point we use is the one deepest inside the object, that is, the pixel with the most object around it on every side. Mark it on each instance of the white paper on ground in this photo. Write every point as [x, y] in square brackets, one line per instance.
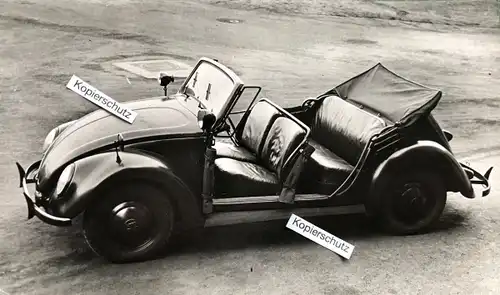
[320, 236]
[100, 99]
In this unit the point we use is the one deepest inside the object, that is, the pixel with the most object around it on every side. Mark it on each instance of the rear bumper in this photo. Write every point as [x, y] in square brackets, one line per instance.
[478, 178]
[34, 208]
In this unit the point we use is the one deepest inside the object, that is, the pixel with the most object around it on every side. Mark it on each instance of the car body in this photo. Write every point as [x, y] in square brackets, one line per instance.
[368, 145]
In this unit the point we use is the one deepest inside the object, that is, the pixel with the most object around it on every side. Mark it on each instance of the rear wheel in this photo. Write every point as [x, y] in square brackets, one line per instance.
[129, 223]
[412, 202]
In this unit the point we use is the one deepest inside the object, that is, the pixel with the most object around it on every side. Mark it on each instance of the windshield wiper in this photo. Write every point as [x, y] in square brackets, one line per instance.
[189, 93]
[208, 91]
[195, 79]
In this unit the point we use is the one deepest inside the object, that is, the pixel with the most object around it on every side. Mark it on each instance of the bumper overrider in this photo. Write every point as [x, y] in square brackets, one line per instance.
[34, 206]
[477, 178]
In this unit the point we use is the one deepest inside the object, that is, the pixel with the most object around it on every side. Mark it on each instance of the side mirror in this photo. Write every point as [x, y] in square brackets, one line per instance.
[206, 119]
[165, 79]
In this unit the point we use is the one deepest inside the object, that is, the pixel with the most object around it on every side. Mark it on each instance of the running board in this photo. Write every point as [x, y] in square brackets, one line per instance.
[239, 217]
[265, 199]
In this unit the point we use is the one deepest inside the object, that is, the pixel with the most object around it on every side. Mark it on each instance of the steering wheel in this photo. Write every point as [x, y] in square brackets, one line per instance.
[229, 128]
[225, 128]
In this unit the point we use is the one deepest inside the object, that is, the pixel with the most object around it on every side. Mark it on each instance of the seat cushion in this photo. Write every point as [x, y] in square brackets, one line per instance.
[239, 179]
[283, 139]
[326, 169]
[344, 128]
[256, 126]
[230, 150]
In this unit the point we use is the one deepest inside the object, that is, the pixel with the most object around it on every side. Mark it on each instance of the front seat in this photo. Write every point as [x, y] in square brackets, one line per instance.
[250, 137]
[264, 177]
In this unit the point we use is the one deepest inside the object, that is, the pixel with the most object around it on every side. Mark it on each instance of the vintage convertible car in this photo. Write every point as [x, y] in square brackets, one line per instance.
[193, 159]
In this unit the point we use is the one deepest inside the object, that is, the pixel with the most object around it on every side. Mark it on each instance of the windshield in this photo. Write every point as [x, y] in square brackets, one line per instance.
[211, 86]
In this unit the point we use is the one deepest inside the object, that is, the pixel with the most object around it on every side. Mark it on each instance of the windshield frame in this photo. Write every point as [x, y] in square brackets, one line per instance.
[238, 84]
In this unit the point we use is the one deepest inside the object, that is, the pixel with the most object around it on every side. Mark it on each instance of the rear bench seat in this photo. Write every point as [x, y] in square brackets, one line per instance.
[269, 139]
[339, 133]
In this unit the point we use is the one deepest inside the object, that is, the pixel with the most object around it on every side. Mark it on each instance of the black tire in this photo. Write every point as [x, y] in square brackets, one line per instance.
[129, 223]
[412, 202]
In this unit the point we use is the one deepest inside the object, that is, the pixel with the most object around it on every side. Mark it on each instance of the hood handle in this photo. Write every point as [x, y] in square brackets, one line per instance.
[119, 145]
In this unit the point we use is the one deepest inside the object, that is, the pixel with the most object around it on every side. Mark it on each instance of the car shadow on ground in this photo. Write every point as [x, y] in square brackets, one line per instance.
[266, 234]
[254, 235]
[70, 256]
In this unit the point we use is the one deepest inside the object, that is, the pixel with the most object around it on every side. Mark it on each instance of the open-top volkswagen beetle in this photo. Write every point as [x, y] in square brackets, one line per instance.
[192, 160]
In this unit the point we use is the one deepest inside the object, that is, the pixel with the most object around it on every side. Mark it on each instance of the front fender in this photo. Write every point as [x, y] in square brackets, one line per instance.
[100, 172]
[426, 155]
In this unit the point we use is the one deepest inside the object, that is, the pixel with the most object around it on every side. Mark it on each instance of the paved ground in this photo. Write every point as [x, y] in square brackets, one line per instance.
[456, 12]
[42, 45]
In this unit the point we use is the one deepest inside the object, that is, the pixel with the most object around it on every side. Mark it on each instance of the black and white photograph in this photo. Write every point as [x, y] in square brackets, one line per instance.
[250, 147]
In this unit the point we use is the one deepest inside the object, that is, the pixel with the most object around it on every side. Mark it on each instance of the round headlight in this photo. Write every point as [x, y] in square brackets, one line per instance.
[49, 139]
[65, 179]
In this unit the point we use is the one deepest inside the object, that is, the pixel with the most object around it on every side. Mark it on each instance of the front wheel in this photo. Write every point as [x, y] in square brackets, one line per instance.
[129, 223]
[412, 202]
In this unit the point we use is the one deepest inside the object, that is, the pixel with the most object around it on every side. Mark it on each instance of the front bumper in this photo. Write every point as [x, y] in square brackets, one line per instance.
[477, 178]
[34, 208]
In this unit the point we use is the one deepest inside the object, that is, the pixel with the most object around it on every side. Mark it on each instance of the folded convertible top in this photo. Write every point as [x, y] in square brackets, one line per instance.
[392, 96]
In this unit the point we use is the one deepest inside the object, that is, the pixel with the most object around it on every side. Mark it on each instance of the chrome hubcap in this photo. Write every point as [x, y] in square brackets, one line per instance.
[131, 223]
[414, 196]
[412, 204]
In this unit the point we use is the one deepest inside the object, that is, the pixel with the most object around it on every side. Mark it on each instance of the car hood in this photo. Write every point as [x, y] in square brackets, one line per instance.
[99, 129]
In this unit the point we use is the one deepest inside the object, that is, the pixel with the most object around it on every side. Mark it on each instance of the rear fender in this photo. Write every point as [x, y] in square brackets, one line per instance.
[100, 172]
[425, 155]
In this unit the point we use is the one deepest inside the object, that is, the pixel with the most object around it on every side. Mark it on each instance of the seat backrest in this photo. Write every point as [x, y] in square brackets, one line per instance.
[283, 138]
[256, 126]
[344, 128]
